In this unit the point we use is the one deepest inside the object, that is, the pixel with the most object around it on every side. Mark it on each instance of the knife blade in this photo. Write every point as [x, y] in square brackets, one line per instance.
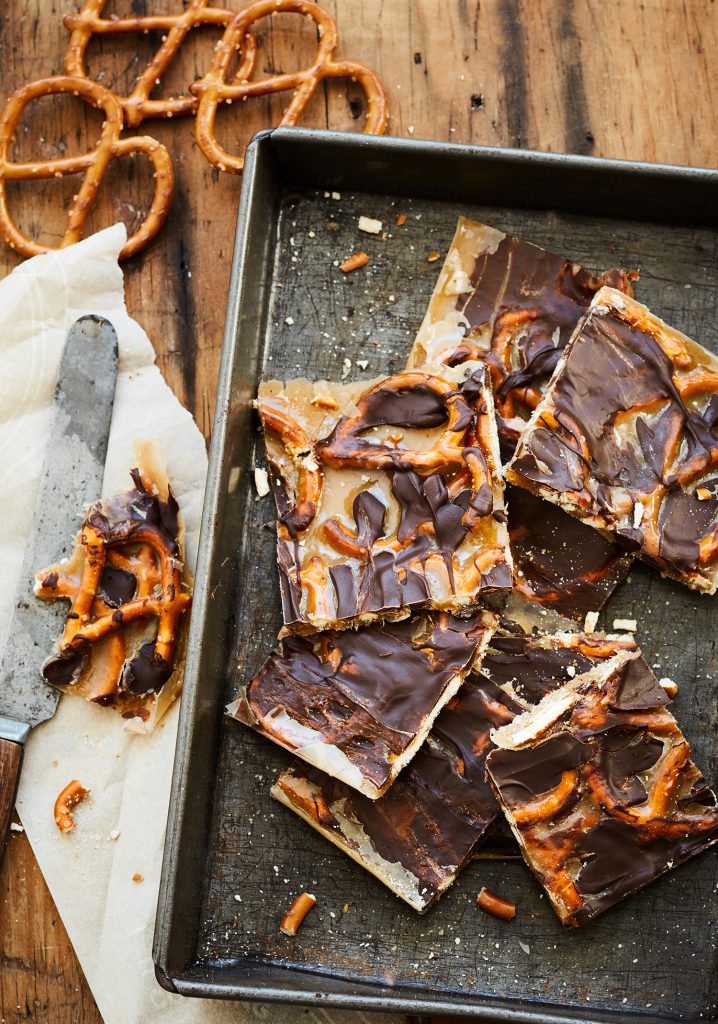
[73, 467]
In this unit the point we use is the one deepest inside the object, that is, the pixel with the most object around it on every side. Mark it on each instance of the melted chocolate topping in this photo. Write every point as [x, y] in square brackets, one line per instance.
[585, 456]
[635, 687]
[368, 692]
[521, 774]
[533, 671]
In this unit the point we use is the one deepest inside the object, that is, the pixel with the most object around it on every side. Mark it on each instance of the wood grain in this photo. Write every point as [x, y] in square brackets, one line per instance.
[623, 78]
[10, 762]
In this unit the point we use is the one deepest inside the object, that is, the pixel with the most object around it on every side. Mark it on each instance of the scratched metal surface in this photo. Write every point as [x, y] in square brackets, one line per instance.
[653, 956]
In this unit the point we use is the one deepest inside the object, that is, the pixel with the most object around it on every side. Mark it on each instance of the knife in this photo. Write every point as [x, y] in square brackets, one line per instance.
[71, 478]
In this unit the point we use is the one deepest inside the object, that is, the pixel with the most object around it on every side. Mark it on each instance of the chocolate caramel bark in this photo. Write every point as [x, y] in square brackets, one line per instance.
[359, 703]
[129, 592]
[512, 305]
[599, 788]
[389, 495]
[435, 816]
[625, 439]
[419, 836]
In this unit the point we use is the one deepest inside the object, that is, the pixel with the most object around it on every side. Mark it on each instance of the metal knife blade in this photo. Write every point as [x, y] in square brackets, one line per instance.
[71, 477]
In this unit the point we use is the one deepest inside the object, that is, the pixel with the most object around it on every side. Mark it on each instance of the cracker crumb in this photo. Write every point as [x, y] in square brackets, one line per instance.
[261, 482]
[289, 320]
[401, 218]
[345, 908]
[370, 226]
[571, 671]
[669, 685]
[15, 826]
[324, 402]
[432, 257]
[346, 368]
[590, 621]
[526, 948]
[628, 625]
[114, 834]
[336, 195]
[410, 129]
[363, 363]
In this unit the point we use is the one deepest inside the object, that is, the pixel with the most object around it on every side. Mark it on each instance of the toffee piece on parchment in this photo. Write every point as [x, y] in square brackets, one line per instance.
[389, 495]
[599, 788]
[359, 703]
[513, 305]
[626, 439]
[129, 592]
[437, 814]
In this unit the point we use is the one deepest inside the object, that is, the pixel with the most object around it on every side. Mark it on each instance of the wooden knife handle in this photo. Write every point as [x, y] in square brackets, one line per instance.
[10, 762]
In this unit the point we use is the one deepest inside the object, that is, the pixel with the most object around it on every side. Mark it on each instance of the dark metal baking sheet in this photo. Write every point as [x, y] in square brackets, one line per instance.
[234, 858]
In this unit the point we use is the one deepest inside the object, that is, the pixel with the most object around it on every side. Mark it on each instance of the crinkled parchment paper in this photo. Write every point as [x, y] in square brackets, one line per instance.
[109, 917]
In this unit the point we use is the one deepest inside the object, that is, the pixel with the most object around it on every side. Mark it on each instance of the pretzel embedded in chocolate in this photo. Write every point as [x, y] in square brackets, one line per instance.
[92, 165]
[599, 788]
[625, 439]
[214, 88]
[126, 571]
[138, 105]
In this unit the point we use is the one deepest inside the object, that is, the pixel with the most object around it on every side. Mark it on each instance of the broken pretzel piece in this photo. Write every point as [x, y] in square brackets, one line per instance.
[70, 796]
[299, 909]
[125, 574]
[495, 905]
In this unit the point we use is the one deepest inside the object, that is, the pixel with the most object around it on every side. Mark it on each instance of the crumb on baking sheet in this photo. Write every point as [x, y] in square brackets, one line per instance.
[370, 226]
[626, 625]
[354, 262]
[261, 482]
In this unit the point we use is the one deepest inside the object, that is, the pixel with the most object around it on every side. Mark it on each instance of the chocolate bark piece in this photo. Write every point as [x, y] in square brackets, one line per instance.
[599, 788]
[419, 836]
[389, 496]
[514, 306]
[359, 703]
[435, 816]
[558, 562]
[625, 439]
[124, 648]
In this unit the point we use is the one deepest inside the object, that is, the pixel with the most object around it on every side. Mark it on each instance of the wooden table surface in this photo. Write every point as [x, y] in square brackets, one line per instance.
[635, 79]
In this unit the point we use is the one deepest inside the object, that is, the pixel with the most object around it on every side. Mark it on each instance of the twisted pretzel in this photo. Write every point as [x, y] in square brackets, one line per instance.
[214, 89]
[92, 165]
[143, 549]
[138, 106]
[346, 447]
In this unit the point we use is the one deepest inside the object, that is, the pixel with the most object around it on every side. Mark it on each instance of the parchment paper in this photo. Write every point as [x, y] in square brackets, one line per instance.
[108, 916]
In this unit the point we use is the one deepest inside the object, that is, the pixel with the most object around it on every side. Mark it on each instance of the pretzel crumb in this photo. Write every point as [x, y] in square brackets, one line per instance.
[137, 877]
[297, 912]
[370, 226]
[359, 259]
[401, 218]
[496, 905]
[703, 494]
[345, 908]
[669, 685]
[70, 796]
[432, 257]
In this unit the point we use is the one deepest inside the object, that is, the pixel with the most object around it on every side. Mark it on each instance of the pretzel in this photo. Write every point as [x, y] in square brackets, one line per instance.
[138, 106]
[92, 165]
[70, 796]
[346, 447]
[214, 89]
[310, 479]
[142, 546]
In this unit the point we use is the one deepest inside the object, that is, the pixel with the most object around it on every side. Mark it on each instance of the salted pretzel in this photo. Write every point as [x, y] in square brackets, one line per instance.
[214, 88]
[136, 538]
[91, 165]
[138, 105]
